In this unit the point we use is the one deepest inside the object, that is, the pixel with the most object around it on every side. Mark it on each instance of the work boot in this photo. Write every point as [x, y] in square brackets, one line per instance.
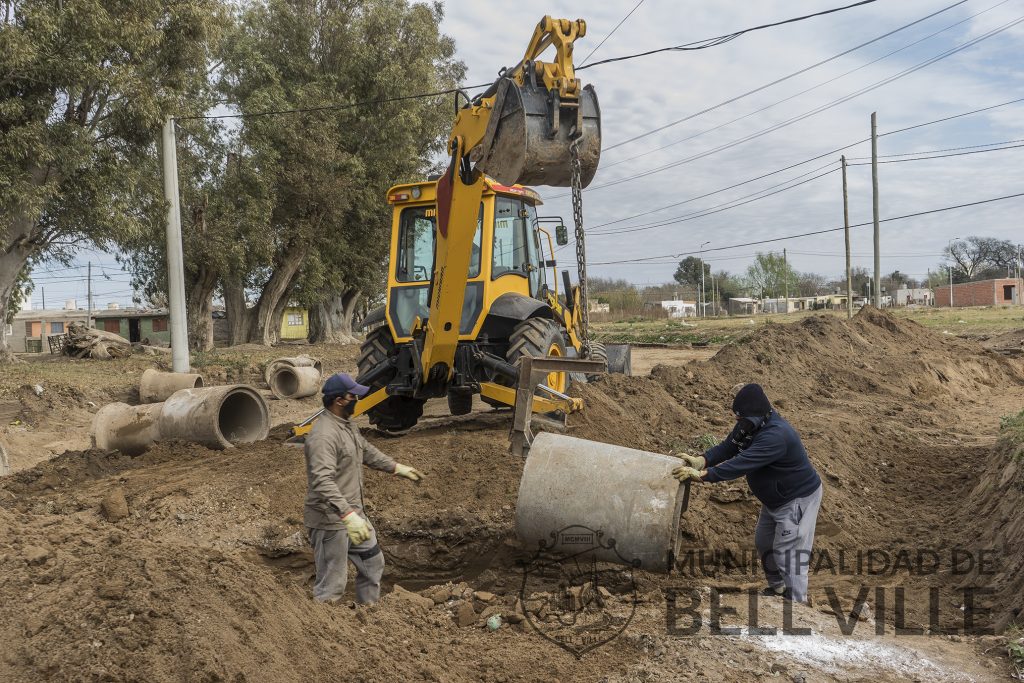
[776, 592]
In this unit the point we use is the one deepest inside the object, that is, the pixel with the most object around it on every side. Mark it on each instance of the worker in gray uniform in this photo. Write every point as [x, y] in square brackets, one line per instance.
[338, 528]
[768, 451]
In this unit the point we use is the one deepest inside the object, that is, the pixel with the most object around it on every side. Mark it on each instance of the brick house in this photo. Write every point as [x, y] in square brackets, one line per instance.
[30, 329]
[996, 292]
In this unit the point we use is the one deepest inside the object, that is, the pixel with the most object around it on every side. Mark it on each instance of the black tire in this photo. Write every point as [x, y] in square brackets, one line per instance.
[394, 415]
[535, 337]
[460, 402]
[597, 352]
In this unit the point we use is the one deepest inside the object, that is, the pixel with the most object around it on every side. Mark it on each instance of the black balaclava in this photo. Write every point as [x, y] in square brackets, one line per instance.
[751, 406]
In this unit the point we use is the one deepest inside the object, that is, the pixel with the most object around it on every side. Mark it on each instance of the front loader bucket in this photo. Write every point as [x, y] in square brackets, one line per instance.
[528, 135]
[620, 358]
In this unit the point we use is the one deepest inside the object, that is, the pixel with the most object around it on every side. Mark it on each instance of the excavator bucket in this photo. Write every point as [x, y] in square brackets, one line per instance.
[528, 135]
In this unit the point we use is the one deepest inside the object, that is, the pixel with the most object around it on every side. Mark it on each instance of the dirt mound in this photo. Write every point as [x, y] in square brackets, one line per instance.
[189, 564]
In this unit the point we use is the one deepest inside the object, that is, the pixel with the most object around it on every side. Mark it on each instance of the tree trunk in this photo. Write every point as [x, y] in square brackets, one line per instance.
[265, 320]
[331, 321]
[199, 309]
[237, 313]
[12, 262]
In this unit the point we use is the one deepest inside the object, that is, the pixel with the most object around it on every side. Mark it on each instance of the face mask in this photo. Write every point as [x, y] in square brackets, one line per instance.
[743, 433]
[348, 409]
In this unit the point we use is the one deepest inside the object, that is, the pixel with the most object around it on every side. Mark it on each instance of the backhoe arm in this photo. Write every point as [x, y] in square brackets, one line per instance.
[483, 142]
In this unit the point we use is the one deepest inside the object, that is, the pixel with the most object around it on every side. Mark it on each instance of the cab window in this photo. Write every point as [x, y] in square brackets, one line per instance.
[512, 246]
[416, 244]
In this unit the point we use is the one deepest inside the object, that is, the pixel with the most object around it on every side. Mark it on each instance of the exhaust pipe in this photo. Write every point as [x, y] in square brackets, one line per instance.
[156, 386]
[216, 417]
[294, 382]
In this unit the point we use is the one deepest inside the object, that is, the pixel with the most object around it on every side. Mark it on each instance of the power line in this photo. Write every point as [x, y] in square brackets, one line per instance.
[939, 156]
[784, 78]
[807, 90]
[814, 232]
[722, 39]
[818, 110]
[610, 33]
[333, 107]
[936, 151]
[950, 118]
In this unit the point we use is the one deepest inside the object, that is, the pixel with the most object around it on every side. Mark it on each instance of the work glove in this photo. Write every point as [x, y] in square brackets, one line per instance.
[685, 472]
[697, 462]
[357, 527]
[410, 473]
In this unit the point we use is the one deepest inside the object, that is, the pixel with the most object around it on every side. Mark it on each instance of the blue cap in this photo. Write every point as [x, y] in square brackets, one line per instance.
[341, 383]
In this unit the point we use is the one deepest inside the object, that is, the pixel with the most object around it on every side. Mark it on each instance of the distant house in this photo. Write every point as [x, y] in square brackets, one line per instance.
[295, 323]
[914, 296]
[743, 306]
[982, 293]
[677, 308]
[790, 305]
[599, 307]
[31, 329]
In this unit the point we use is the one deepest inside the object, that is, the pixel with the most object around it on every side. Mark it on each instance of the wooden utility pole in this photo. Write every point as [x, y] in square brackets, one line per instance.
[785, 276]
[874, 206]
[846, 233]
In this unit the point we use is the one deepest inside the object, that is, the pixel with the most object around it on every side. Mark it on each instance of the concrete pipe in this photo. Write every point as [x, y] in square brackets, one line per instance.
[157, 386]
[296, 362]
[620, 504]
[290, 382]
[217, 417]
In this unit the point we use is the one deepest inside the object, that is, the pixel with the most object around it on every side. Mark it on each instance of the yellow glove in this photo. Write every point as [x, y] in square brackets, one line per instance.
[684, 472]
[357, 527]
[697, 462]
[410, 473]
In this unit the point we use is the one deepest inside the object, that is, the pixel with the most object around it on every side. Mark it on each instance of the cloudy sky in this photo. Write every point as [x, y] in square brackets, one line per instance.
[681, 163]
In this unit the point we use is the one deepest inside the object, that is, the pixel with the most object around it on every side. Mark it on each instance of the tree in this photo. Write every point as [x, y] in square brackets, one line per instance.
[327, 171]
[689, 271]
[84, 91]
[811, 284]
[769, 275]
[980, 258]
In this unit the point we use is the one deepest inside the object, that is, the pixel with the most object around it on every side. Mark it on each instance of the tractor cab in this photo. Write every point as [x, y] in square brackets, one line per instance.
[511, 254]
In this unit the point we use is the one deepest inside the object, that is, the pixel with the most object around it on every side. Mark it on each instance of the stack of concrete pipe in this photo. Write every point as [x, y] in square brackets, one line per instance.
[296, 377]
[216, 417]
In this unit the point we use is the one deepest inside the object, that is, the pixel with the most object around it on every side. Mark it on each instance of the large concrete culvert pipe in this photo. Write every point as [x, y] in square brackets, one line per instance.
[294, 382]
[156, 386]
[216, 417]
[612, 503]
[294, 362]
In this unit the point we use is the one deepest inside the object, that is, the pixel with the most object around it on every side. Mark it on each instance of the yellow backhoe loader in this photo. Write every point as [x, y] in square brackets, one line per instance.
[469, 291]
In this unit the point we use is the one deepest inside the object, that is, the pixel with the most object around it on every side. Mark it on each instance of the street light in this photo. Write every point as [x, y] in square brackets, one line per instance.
[703, 311]
[949, 247]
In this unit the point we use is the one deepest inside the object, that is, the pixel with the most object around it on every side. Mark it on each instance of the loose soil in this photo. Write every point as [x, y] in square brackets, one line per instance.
[188, 564]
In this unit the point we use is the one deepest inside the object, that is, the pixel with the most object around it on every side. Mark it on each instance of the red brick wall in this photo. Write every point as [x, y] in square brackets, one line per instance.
[984, 293]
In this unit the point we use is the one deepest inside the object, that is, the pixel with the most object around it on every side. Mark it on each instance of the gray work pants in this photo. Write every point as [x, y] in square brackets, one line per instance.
[331, 553]
[784, 536]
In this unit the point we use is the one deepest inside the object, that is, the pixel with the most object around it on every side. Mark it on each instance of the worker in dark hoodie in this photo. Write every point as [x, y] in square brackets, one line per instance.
[767, 450]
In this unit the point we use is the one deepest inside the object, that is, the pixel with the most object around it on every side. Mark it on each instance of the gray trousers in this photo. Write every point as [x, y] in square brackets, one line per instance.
[784, 537]
[331, 553]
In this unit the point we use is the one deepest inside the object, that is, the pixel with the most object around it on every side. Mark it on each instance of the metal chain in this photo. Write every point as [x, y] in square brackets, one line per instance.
[581, 247]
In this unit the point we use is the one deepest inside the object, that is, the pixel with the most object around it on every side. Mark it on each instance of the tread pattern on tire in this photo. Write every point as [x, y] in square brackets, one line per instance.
[395, 414]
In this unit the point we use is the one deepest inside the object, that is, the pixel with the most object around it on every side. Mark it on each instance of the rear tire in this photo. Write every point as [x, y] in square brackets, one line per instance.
[598, 352]
[394, 415]
[538, 337]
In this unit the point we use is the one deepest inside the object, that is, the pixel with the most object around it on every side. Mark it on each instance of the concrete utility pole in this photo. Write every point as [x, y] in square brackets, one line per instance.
[88, 297]
[175, 258]
[846, 234]
[44, 297]
[703, 310]
[874, 206]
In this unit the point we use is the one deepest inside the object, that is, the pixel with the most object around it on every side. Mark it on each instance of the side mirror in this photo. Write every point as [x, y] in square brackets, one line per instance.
[561, 236]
